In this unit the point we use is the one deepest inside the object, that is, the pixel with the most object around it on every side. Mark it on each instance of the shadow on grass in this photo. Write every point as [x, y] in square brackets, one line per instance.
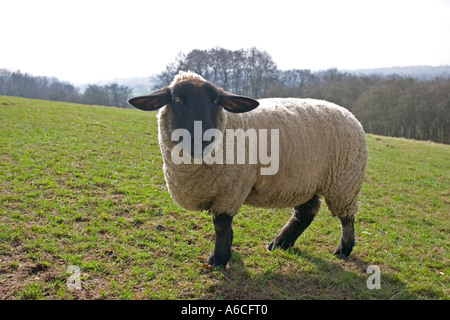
[328, 280]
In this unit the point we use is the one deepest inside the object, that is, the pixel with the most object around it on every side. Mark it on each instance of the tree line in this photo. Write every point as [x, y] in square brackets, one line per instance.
[390, 105]
[16, 83]
[397, 106]
[245, 72]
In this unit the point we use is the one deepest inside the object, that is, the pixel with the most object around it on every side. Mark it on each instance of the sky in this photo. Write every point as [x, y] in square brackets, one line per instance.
[85, 41]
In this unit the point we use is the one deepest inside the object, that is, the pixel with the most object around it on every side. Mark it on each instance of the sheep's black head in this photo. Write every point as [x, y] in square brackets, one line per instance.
[194, 96]
[194, 100]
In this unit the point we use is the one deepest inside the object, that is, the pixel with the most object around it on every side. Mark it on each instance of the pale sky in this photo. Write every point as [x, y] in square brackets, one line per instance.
[84, 41]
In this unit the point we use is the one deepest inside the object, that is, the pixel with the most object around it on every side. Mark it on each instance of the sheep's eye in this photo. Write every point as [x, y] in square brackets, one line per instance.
[178, 105]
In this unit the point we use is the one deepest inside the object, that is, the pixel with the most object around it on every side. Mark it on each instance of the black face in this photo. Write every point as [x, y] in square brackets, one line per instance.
[194, 100]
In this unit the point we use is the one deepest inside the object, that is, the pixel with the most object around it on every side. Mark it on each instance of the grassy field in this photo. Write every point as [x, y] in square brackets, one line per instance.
[83, 186]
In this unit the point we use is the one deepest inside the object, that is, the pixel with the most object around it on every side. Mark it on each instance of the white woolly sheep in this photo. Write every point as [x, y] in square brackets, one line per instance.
[322, 152]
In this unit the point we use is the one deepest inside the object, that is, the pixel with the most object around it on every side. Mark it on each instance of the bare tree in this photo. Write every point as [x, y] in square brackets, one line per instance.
[165, 78]
[260, 70]
[118, 95]
[198, 62]
[95, 94]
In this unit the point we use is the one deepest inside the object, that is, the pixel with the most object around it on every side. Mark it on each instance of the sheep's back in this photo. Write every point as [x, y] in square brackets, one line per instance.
[321, 146]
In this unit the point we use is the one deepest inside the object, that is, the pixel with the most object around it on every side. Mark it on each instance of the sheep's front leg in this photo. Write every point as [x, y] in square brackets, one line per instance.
[224, 239]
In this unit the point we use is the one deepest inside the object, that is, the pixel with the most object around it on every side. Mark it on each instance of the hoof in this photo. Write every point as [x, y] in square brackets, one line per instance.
[218, 262]
[279, 243]
[340, 253]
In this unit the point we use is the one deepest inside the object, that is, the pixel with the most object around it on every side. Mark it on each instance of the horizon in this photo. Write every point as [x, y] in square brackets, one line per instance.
[121, 80]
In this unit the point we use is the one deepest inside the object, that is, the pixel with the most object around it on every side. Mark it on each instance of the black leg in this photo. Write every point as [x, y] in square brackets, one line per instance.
[301, 218]
[224, 239]
[347, 238]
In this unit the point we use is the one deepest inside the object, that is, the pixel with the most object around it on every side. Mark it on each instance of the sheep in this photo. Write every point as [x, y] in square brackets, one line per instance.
[322, 152]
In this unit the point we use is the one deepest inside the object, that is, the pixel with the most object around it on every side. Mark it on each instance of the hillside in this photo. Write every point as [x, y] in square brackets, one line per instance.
[83, 186]
[140, 85]
[422, 72]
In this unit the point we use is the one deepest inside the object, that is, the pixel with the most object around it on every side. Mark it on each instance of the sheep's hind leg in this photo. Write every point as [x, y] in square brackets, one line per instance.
[301, 218]
[347, 238]
[224, 239]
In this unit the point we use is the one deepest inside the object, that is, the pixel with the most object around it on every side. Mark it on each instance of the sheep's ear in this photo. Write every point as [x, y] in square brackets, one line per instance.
[153, 101]
[237, 104]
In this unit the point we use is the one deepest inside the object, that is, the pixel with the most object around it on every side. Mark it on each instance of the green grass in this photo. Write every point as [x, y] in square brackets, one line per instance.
[83, 185]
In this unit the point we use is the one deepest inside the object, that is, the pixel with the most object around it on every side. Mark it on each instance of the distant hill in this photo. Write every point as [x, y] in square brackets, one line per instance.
[414, 71]
[140, 85]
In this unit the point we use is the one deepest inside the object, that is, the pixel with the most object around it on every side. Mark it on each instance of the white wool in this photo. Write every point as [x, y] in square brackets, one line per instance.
[322, 151]
[183, 75]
